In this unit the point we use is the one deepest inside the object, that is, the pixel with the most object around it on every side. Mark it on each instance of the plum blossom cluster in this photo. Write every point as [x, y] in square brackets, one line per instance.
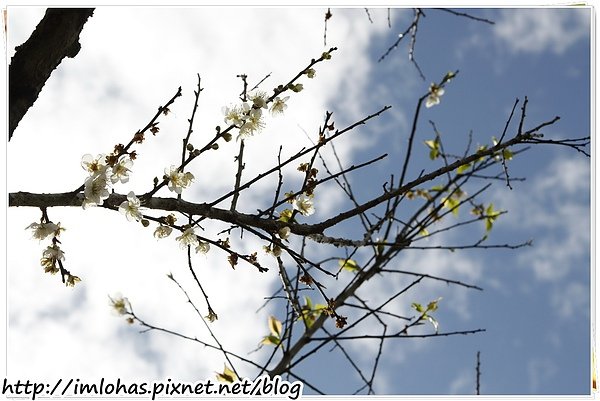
[104, 171]
[53, 255]
[249, 118]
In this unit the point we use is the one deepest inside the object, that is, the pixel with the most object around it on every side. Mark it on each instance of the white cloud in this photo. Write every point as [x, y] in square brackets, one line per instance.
[540, 372]
[572, 301]
[560, 221]
[541, 29]
[463, 383]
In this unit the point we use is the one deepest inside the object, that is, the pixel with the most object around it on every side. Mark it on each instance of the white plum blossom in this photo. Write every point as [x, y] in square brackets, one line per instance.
[188, 238]
[203, 247]
[94, 166]
[162, 232]
[259, 99]
[96, 190]
[235, 115]
[120, 171]
[304, 205]
[131, 208]
[252, 124]
[435, 92]
[44, 230]
[279, 105]
[50, 256]
[178, 180]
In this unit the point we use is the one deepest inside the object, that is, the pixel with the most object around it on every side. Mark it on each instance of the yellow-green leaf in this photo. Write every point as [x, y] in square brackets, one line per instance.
[308, 302]
[228, 376]
[451, 204]
[434, 146]
[271, 340]
[463, 168]
[349, 264]
[507, 154]
[433, 305]
[275, 326]
[285, 215]
[418, 307]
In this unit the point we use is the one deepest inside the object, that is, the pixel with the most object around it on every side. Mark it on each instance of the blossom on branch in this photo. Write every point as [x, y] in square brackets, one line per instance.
[178, 180]
[304, 205]
[94, 166]
[203, 247]
[131, 207]
[51, 255]
[162, 232]
[96, 190]
[252, 124]
[44, 230]
[235, 115]
[120, 171]
[72, 280]
[435, 92]
[259, 99]
[279, 105]
[188, 238]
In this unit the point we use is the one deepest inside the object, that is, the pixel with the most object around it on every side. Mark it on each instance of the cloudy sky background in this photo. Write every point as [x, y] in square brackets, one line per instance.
[536, 303]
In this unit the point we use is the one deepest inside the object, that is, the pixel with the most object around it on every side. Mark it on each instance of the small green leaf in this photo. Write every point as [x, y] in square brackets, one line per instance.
[285, 215]
[275, 326]
[438, 188]
[271, 340]
[228, 376]
[451, 204]
[431, 144]
[433, 305]
[418, 307]
[424, 232]
[348, 264]
[308, 302]
[434, 148]
[481, 149]
[490, 217]
[507, 154]
[463, 168]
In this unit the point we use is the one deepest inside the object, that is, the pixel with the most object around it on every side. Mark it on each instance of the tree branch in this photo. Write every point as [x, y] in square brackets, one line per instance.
[55, 37]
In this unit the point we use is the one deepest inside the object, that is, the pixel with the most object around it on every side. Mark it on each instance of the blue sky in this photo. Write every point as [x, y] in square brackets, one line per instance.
[535, 306]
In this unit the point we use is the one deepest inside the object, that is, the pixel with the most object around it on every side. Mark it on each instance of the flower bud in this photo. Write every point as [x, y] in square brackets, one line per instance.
[190, 147]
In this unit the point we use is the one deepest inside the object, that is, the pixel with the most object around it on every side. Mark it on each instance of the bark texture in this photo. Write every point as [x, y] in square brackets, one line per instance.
[55, 37]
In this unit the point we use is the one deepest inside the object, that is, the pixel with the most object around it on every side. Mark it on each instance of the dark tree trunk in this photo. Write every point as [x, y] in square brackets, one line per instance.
[55, 37]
